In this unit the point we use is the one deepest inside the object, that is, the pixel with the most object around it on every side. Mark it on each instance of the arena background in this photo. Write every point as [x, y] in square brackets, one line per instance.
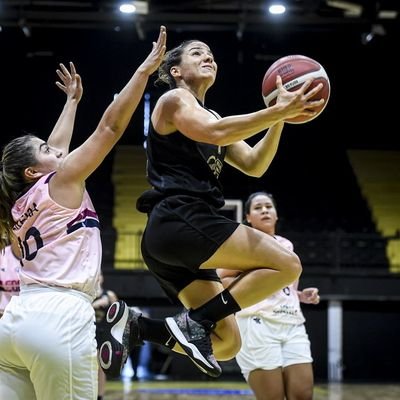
[321, 202]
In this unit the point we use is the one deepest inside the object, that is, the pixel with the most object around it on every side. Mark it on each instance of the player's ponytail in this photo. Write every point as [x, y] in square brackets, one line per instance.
[17, 155]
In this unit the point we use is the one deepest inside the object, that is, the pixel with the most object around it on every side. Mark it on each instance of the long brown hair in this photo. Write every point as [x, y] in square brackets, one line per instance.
[17, 155]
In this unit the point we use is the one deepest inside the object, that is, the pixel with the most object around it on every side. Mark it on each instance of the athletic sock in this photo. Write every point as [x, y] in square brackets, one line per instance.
[154, 330]
[216, 309]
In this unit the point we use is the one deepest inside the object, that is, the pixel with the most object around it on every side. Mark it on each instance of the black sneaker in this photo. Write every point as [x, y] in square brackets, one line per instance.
[195, 340]
[120, 334]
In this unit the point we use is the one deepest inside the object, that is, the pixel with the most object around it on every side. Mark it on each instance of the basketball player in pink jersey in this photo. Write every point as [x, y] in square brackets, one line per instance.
[47, 333]
[9, 278]
[275, 356]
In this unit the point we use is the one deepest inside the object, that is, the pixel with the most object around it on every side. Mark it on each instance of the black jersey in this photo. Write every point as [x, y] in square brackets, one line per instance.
[179, 165]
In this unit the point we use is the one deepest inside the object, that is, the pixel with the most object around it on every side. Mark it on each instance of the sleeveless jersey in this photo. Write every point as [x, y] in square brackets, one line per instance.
[283, 306]
[60, 247]
[179, 165]
[9, 278]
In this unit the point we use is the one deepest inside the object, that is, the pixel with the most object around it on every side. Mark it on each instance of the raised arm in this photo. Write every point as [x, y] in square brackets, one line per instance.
[66, 186]
[80, 163]
[179, 110]
[71, 85]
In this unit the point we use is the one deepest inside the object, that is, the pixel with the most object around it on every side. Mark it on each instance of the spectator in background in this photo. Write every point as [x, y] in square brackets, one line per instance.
[9, 278]
[275, 357]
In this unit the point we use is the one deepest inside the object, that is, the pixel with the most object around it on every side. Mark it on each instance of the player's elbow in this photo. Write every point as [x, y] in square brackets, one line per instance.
[252, 169]
[255, 173]
[218, 138]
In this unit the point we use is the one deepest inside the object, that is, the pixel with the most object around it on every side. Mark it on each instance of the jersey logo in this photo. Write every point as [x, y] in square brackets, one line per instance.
[215, 165]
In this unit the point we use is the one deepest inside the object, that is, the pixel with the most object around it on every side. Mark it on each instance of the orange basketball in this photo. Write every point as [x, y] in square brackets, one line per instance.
[294, 71]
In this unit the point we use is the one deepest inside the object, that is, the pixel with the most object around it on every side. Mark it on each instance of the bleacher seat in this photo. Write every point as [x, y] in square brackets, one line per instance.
[129, 179]
[378, 175]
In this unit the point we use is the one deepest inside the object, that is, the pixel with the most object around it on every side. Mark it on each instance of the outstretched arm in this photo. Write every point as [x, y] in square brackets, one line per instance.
[80, 163]
[254, 161]
[71, 85]
[179, 110]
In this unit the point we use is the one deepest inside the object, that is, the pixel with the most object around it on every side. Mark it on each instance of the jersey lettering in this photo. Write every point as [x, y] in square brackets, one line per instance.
[27, 253]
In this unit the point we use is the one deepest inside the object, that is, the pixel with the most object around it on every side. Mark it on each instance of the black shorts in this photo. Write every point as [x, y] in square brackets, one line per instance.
[182, 232]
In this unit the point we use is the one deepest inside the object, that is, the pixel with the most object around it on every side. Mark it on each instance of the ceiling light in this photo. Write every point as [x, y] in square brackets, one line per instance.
[127, 8]
[387, 14]
[277, 9]
[350, 9]
[137, 7]
[376, 30]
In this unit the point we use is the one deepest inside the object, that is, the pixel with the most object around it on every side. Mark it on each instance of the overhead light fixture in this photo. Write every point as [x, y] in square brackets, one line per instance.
[127, 8]
[387, 14]
[376, 30]
[277, 9]
[350, 9]
[134, 7]
[25, 28]
[140, 31]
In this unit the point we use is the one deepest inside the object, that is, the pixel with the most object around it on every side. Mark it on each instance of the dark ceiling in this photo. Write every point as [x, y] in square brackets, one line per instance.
[357, 42]
[210, 15]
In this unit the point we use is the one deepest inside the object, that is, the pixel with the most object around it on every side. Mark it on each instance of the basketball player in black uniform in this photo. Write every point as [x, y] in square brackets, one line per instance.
[186, 238]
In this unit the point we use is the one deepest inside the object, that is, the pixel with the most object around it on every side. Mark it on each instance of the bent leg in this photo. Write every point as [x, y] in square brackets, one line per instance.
[225, 337]
[268, 266]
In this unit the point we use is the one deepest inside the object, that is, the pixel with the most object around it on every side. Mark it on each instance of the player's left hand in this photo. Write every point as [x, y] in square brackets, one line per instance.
[309, 296]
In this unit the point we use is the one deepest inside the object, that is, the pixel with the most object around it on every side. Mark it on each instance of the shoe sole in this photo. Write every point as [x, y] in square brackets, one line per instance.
[190, 349]
[112, 353]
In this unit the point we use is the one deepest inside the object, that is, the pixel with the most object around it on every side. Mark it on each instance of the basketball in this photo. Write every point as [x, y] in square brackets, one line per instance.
[294, 71]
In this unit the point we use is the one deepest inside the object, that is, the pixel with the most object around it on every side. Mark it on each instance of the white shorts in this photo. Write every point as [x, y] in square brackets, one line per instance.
[270, 345]
[48, 347]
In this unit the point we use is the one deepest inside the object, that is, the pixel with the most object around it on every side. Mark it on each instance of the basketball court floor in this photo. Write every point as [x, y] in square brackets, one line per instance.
[225, 390]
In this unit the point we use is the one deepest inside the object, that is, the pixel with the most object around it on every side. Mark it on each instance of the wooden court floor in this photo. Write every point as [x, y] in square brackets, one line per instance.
[224, 390]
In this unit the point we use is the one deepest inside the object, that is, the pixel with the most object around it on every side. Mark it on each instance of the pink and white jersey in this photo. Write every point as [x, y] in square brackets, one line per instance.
[283, 306]
[60, 246]
[9, 278]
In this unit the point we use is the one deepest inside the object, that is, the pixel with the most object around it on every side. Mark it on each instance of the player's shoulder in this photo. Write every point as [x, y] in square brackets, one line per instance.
[285, 242]
[177, 95]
